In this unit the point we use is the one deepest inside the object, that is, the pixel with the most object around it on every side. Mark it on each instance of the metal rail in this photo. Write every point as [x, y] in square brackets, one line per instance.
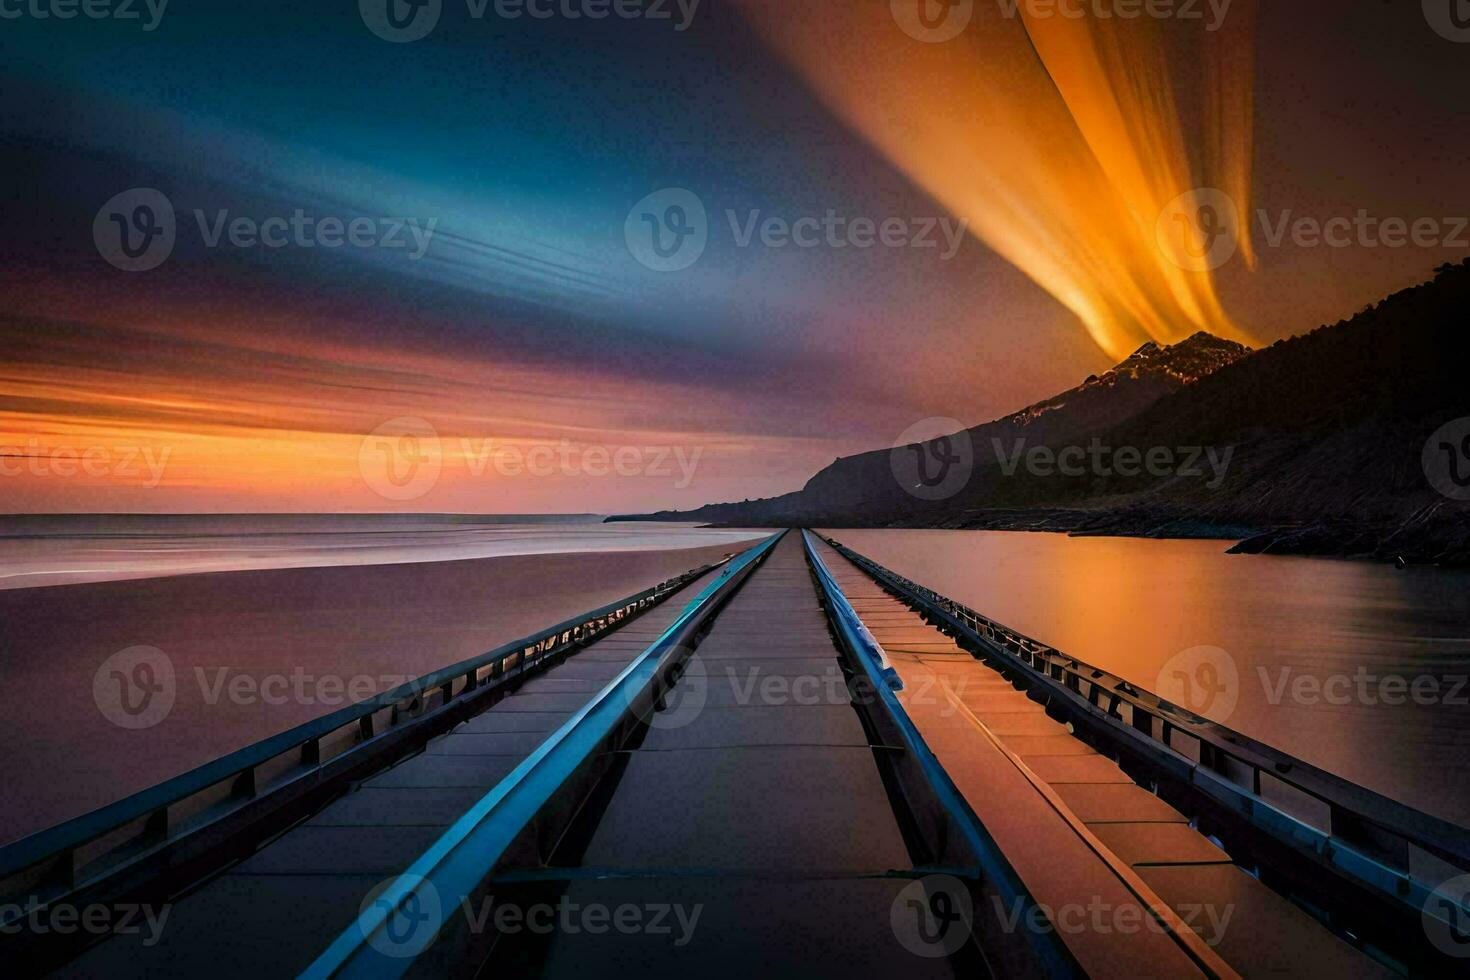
[1050, 953]
[91, 849]
[1395, 852]
[391, 934]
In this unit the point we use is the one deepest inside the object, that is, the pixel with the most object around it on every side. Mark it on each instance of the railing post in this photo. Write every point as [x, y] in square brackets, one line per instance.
[156, 829]
[244, 786]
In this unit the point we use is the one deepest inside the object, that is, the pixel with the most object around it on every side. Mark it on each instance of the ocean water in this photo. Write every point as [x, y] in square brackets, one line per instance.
[1360, 669]
[71, 549]
[307, 613]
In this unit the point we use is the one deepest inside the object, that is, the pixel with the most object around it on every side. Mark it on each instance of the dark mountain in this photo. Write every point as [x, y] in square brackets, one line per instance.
[1315, 445]
[869, 487]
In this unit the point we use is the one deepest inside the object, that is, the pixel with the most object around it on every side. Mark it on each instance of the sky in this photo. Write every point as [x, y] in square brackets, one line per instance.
[860, 231]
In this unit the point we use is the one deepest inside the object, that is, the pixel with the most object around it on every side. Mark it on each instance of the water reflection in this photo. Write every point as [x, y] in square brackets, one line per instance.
[1358, 668]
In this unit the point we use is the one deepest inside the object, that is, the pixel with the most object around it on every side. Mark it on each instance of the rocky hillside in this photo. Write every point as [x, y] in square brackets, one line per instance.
[1329, 443]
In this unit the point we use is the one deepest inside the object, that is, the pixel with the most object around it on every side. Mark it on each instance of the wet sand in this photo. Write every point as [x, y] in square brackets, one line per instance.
[316, 631]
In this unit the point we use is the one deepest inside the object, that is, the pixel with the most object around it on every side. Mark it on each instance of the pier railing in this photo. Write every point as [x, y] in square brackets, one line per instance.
[1397, 852]
[924, 778]
[106, 844]
[411, 927]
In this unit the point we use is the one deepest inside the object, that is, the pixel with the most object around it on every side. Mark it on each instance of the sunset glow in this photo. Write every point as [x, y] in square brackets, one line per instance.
[1069, 149]
[1061, 140]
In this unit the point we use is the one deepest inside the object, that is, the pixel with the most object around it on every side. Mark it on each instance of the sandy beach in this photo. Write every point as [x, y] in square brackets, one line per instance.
[321, 631]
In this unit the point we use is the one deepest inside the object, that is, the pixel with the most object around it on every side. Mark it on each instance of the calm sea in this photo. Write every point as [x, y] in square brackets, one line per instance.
[1358, 668]
[68, 549]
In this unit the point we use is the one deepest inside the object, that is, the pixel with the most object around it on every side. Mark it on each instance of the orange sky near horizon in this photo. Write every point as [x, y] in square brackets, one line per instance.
[531, 365]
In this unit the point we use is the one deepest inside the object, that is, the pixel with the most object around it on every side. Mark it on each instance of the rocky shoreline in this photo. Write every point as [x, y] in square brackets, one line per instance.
[1433, 538]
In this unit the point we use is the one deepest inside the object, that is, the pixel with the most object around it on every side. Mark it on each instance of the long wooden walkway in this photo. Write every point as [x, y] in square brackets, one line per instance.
[763, 808]
[1084, 836]
[711, 790]
[271, 914]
